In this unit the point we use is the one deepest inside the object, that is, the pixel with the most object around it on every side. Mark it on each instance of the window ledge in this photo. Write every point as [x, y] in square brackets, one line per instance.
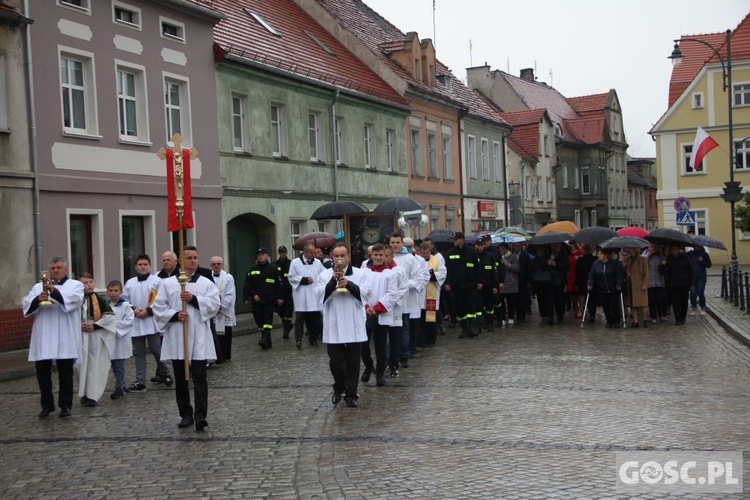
[431, 178]
[281, 157]
[132, 142]
[82, 135]
[344, 165]
[5, 131]
[415, 176]
[449, 181]
[690, 174]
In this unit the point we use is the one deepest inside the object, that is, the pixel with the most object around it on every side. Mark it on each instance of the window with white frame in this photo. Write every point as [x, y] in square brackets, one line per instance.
[450, 219]
[390, 149]
[126, 15]
[339, 130]
[700, 222]
[80, 5]
[545, 145]
[564, 170]
[132, 108]
[528, 188]
[172, 30]
[497, 161]
[78, 92]
[314, 120]
[369, 143]
[4, 123]
[278, 130]
[447, 153]
[576, 178]
[297, 227]
[240, 125]
[485, 159]
[136, 237]
[697, 100]
[742, 154]
[577, 217]
[416, 153]
[539, 189]
[471, 156]
[585, 181]
[741, 94]
[86, 243]
[549, 189]
[432, 161]
[177, 108]
[687, 153]
[263, 22]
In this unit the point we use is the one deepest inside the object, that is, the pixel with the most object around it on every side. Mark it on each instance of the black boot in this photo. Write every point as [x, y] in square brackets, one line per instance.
[287, 328]
[265, 339]
[474, 328]
[464, 329]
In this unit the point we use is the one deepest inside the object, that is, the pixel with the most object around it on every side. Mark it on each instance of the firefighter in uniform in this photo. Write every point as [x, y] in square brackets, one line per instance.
[286, 309]
[487, 275]
[462, 280]
[261, 289]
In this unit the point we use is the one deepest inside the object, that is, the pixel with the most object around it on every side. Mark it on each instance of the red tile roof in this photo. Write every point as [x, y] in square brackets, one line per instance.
[294, 52]
[524, 139]
[588, 130]
[524, 116]
[383, 38]
[696, 55]
[589, 104]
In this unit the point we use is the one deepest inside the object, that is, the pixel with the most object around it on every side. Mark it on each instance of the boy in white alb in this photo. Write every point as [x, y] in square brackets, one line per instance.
[122, 348]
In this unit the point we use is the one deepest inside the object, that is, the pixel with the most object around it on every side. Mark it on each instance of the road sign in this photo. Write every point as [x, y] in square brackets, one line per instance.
[686, 218]
[682, 204]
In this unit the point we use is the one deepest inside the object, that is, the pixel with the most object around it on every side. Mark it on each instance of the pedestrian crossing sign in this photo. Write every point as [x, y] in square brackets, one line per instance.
[686, 218]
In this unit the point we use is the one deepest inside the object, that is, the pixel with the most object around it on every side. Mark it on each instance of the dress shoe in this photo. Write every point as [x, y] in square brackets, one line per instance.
[336, 398]
[201, 424]
[45, 412]
[380, 382]
[351, 401]
[366, 375]
[185, 422]
[88, 402]
[64, 412]
[298, 344]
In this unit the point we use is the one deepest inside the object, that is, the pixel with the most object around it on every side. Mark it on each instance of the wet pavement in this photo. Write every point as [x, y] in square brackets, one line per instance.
[528, 411]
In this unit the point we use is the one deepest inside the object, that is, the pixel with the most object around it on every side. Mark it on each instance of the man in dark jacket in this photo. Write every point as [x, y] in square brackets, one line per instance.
[679, 276]
[605, 282]
[461, 262]
[286, 309]
[487, 276]
[262, 290]
[559, 278]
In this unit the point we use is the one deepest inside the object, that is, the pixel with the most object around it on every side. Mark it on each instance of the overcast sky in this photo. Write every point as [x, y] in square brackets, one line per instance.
[588, 46]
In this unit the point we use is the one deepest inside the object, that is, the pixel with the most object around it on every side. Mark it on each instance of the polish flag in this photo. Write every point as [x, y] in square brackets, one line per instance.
[702, 145]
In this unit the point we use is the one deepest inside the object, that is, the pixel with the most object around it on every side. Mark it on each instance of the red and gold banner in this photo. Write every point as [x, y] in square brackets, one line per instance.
[173, 223]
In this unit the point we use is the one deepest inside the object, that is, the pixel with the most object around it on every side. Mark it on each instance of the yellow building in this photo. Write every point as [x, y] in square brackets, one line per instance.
[697, 98]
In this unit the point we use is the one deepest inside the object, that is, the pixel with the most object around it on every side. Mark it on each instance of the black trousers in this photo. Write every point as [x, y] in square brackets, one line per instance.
[510, 301]
[657, 302]
[524, 300]
[64, 376]
[545, 299]
[343, 359]
[558, 299]
[379, 334]
[310, 320]
[467, 303]
[610, 303]
[487, 307]
[286, 310]
[429, 330]
[678, 297]
[200, 388]
[225, 343]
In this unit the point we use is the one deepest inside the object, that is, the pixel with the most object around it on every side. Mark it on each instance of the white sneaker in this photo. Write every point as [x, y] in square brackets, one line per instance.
[694, 312]
[510, 322]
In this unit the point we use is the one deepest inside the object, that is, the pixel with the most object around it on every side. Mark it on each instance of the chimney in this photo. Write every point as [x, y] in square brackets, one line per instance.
[527, 74]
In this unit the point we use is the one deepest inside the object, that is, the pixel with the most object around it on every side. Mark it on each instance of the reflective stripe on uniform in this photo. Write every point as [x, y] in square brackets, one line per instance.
[269, 280]
[469, 264]
[453, 257]
[254, 272]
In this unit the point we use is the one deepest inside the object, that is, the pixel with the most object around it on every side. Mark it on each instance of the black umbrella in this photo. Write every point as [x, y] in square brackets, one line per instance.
[442, 235]
[397, 204]
[549, 238]
[666, 236]
[338, 209]
[707, 241]
[321, 240]
[624, 242]
[594, 235]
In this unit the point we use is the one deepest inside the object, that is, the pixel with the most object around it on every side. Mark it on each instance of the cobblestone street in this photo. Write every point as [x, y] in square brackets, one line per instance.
[529, 411]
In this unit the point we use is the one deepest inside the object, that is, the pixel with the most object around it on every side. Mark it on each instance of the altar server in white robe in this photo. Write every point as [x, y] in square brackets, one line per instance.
[225, 318]
[344, 295]
[202, 298]
[303, 274]
[56, 333]
[123, 346]
[98, 325]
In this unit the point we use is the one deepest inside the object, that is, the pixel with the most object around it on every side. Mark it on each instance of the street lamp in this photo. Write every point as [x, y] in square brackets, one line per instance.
[732, 191]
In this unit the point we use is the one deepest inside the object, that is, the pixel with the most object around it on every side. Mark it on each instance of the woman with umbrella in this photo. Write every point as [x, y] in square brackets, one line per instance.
[701, 261]
[679, 276]
[605, 280]
[583, 267]
[636, 271]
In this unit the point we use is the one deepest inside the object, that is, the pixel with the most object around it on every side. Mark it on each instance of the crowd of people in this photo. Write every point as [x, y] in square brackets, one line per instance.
[80, 331]
[395, 303]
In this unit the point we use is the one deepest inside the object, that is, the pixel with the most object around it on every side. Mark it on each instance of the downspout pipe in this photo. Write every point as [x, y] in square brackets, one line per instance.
[462, 193]
[333, 146]
[33, 157]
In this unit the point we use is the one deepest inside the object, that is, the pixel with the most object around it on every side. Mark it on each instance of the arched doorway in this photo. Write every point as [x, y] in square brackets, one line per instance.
[245, 234]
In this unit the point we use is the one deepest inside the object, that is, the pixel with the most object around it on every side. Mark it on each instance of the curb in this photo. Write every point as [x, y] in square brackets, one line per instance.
[731, 327]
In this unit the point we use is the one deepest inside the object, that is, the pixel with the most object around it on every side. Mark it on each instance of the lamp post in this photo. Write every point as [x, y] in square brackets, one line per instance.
[732, 191]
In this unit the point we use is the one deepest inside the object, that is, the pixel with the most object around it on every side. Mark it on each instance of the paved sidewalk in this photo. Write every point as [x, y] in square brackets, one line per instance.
[734, 320]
